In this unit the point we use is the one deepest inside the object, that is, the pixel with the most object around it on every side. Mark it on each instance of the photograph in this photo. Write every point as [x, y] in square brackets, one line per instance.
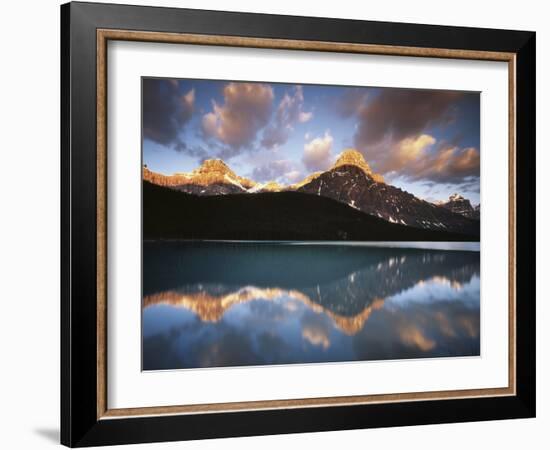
[293, 223]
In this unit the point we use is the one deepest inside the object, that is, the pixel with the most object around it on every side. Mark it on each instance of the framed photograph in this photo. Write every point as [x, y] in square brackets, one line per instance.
[276, 224]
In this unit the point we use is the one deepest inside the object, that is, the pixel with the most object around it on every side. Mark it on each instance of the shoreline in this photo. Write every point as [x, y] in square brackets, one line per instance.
[473, 246]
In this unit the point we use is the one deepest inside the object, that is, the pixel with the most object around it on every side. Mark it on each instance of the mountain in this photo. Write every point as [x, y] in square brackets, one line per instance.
[169, 214]
[351, 181]
[347, 157]
[477, 212]
[271, 186]
[352, 157]
[213, 177]
[462, 206]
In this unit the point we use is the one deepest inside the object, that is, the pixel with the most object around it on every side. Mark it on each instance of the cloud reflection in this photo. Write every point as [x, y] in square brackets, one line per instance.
[316, 330]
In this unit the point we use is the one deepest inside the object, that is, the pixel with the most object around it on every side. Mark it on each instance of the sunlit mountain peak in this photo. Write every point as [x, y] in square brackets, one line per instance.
[456, 197]
[352, 157]
[213, 165]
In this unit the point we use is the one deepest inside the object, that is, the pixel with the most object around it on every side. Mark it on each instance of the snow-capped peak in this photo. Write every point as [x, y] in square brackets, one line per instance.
[456, 197]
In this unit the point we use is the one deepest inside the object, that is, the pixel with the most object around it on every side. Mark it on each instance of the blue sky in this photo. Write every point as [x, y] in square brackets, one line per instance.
[424, 141]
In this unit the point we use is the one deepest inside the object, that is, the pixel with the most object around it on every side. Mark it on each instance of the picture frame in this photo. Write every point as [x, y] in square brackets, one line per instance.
[86, 30]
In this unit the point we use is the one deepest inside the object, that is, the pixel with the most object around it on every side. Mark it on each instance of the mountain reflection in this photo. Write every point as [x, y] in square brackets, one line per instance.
[211, 308]
[216, 304]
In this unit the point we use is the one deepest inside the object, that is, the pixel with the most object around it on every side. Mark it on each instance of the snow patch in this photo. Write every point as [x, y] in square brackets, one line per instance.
[232, 181]
[256, 188]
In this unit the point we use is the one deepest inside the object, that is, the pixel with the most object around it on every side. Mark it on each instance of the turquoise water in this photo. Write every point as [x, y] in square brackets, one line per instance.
[219, 304]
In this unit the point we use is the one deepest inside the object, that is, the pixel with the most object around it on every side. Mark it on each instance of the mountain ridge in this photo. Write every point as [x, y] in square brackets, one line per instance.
[350, 180]
[216, 171]
[351, 157]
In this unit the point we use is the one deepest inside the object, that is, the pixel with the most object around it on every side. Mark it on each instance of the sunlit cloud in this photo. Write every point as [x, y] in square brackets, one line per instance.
[391, 133]
[449, 164]
[318, 153]
[411, 149]
[423, 158]
[246, 110]
[405, 153]
[401, 113]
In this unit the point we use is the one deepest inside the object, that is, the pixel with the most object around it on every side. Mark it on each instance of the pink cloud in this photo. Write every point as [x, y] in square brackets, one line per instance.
[246, 109]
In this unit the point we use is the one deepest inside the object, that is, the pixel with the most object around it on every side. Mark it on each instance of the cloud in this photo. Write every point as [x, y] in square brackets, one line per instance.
[405, 156]
[271, 170]
[293, 176]
[451, 164]
[316, 336]
[289, 113]
[396, 114]
[391, 132]
[245, 110]
[165, 111]
[283, 171]
[197, 151]
[318, 153]
[316, 330]
[440, 191]
[412, 148]
[351, 102]
[423, 158]
[304, 117]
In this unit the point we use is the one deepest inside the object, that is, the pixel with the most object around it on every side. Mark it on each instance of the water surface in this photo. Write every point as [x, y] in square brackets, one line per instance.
[219, 304]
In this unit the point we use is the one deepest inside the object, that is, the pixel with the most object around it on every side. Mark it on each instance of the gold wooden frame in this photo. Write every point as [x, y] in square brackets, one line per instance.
[103, 36]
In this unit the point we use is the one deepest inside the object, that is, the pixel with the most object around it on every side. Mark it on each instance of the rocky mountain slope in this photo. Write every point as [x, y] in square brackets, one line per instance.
[213, 177]
[462, 206]
[351, 181]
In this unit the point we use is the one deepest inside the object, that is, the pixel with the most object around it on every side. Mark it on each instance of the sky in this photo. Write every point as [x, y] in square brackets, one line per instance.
[426, 142]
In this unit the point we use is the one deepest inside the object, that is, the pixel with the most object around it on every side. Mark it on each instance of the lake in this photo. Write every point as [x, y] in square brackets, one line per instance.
[221, 304]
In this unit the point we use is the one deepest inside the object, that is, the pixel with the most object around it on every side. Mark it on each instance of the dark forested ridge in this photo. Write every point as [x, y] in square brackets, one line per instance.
[169, 214]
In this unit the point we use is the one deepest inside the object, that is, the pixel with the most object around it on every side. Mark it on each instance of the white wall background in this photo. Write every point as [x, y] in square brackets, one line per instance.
[29, 225]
